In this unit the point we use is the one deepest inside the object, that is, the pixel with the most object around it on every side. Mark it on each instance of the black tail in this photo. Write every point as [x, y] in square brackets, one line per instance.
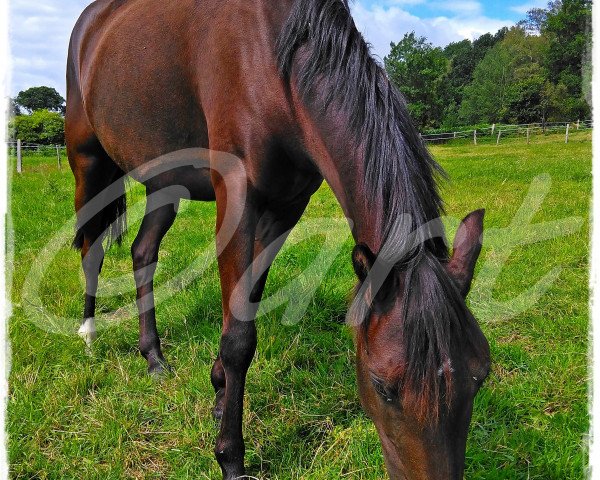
[110, 222]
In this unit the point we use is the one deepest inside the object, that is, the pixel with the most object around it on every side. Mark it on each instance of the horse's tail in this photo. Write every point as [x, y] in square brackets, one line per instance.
[111, 220]
[98, 178]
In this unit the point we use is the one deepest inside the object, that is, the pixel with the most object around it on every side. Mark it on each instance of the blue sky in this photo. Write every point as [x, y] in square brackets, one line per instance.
[39, 31]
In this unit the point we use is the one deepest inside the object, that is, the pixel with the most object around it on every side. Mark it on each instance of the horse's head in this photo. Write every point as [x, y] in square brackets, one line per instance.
[421, 358]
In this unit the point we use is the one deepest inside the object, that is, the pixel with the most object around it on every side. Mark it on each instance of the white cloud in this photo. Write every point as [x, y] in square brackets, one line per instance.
[40, 31]
[39, 38]
[382, 23]
[525, 7]
[459, 7]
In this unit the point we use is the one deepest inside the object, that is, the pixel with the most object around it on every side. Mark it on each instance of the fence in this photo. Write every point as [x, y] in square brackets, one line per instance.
[497, 132]
[493, 133]
[22, 149]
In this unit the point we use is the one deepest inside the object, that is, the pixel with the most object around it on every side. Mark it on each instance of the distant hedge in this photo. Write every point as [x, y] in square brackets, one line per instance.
[42, 126]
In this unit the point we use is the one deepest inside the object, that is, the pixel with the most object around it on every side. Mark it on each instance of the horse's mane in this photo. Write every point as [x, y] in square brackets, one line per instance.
[336, 71]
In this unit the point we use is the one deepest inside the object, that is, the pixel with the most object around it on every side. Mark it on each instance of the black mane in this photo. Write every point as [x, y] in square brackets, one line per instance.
[398, 167]
[336, 71]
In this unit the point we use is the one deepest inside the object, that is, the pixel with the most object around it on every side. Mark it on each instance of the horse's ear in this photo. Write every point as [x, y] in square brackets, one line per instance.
[362, 260]
[466, 249]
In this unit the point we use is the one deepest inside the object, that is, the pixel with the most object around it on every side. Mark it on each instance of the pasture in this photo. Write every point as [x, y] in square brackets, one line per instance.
[74, 416]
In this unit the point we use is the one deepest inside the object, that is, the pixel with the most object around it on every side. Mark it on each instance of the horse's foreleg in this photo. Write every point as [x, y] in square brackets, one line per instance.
[159, 217]
[271, 232]
[236, 224]
[252, 249]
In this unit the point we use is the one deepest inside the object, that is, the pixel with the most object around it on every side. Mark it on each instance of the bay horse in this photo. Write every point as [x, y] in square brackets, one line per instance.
[291, 90]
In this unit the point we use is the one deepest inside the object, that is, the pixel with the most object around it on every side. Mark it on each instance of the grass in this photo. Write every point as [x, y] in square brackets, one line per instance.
[72, 416]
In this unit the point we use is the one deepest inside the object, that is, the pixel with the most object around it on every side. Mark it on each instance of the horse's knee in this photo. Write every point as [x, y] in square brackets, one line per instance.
[238, 346]
[92, 256]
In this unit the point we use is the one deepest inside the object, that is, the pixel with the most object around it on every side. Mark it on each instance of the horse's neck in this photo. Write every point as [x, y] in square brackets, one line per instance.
[341, 164]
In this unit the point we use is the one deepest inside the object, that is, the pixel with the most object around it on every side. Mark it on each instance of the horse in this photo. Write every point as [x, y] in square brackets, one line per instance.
[289, 89]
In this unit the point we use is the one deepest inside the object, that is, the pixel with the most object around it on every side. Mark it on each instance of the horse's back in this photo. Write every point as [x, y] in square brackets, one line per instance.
[131, 68]
[156, 76]
[159, 77]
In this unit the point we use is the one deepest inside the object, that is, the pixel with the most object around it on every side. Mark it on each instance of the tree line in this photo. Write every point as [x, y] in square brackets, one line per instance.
[536, 71]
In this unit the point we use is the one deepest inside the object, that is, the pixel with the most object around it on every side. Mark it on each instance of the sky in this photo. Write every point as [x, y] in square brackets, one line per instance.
[40, 29]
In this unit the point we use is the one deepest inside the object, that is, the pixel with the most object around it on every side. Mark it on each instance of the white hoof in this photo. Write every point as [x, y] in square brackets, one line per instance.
[87, 332]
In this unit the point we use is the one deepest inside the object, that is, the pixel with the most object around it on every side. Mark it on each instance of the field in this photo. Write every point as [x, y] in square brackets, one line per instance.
[74, 416]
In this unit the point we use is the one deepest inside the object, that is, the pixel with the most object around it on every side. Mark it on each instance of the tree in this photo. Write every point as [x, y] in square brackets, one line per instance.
[486, 42]
[418, 69]
[554, 107]
[569, 33]
[41, 98]
[525, 98]
[13, 108]
[502, 81]
[42, 126]
[536, 17]
[464, 56]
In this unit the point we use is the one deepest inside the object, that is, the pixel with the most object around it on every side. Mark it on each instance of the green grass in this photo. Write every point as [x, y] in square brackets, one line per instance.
[77, 417]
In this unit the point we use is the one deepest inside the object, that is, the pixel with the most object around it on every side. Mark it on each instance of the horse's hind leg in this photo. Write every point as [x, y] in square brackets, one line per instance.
[94, 172]
[159, 217]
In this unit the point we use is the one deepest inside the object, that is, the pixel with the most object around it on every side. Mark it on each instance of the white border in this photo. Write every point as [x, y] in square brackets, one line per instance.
[594, 349]
[4, 304]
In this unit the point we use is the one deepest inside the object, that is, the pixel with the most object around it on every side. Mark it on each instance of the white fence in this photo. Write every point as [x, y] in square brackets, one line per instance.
[498, 131]
[495, 133]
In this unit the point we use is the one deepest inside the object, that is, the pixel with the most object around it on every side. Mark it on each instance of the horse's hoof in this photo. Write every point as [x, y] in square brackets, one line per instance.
[160, 370]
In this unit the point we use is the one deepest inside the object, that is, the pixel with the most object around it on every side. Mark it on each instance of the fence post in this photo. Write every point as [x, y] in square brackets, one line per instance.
[527, 136]
[454, 134]
[475, 137]
[498, 140]
[567, 134]
[577, 124]
[19, 157]
[493, 128]
[58, 157]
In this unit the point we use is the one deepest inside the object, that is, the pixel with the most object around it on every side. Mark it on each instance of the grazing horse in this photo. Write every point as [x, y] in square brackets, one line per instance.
[290, 89]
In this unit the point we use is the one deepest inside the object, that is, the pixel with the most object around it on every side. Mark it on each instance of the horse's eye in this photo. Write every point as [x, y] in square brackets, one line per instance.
[383, 390]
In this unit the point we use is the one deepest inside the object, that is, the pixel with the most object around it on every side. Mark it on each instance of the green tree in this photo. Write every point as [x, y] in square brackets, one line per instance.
[418, 70]
[462, 63]
[464, 56]
[568, 30]
[502, 81]
[553, 102]
[41, 98]
[42, 126]
[536, 18]
[525, 98]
